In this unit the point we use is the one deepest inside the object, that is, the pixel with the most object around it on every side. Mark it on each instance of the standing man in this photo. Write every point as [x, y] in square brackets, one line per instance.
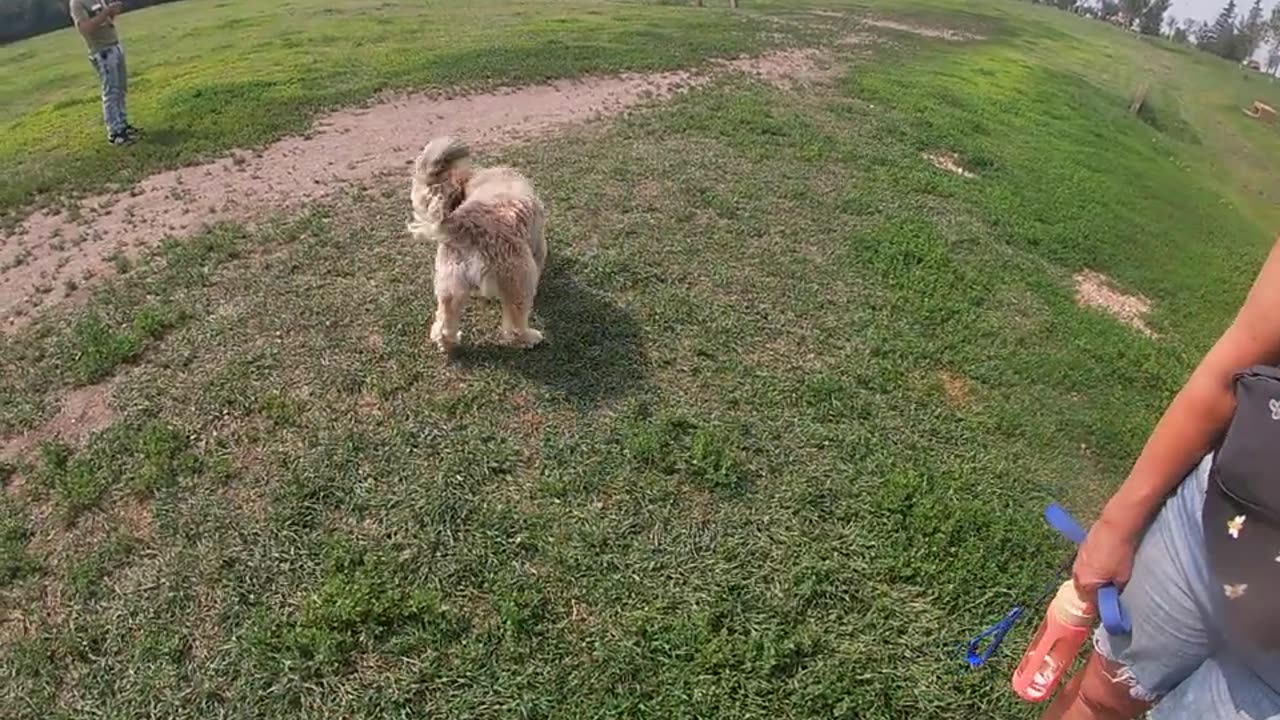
[95, 19]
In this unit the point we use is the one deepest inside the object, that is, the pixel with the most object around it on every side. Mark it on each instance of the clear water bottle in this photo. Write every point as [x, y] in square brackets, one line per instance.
[1063, 632]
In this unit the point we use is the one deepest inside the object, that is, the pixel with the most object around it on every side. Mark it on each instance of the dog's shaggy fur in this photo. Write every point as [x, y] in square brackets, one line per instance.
[487, 226]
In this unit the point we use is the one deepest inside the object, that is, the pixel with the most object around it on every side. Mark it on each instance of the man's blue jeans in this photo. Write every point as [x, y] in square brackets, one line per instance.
[109, 62]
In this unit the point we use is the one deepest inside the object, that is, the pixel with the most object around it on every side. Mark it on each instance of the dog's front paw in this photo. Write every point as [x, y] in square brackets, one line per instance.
[443, 339]
[525, 338]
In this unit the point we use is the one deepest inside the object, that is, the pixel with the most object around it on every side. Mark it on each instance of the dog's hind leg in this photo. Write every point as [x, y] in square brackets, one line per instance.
[517, 303]
[445, 331]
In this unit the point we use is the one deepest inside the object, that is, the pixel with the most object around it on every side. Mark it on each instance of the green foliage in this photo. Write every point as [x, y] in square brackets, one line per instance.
[145, 458]
[681, 448]
[94, 347]
[77, 482]
[86, 576]
[15, 562]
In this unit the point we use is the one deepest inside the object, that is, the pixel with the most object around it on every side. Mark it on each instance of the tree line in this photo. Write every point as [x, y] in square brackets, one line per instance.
[1230, 35]
[24, 18]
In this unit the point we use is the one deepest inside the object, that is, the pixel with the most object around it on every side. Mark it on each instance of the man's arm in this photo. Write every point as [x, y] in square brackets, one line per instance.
[86, 24]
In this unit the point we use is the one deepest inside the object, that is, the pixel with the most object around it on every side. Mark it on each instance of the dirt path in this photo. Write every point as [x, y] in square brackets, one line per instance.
[52, 256]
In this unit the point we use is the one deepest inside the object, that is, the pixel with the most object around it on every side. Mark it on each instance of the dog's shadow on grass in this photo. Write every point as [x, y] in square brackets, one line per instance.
[593, 349]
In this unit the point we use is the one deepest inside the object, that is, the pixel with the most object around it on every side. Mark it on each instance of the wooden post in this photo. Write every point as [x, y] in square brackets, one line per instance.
[733, 3]
[697, 3]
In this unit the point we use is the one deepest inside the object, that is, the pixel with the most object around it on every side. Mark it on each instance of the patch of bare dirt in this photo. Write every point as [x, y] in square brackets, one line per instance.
[527, 418]
[579, 612]
[858, 39]
[15, 625]
[923, 30]
[52, 254]
[786, 68]
[1095, 290]
[827, 13]
[368, 405]
[81, 412]
[948, 162]
[250, 496]
[957, 389]
[205, 631]
[790, 351]
[134, 515]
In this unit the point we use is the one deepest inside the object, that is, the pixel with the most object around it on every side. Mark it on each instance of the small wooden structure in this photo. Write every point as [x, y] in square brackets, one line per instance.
[1261, 111]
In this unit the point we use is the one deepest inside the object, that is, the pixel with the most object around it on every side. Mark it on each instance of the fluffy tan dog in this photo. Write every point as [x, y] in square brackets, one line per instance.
[487, 226]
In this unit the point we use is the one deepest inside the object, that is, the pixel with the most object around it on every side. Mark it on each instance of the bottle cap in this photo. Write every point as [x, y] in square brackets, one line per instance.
[1071, 608]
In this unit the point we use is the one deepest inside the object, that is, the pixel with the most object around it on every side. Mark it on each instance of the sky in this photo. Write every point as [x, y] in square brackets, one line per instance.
[1209, 9]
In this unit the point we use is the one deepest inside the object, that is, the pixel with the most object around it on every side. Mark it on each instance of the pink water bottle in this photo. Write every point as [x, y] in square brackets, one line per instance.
[1064, 631]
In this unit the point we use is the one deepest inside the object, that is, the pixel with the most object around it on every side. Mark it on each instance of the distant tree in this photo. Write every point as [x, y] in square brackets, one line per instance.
[23, 18]
[1108, 9]
[1152, 17]
[1064, 4]
[1179, 35]
[1170, 25]
[1271, 36]
[1251, 32]
[1194, 30]
[1219, 38]
[1131, 11]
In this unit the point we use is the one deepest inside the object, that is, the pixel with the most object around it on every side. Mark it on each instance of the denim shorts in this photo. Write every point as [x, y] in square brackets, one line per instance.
[1179, 653]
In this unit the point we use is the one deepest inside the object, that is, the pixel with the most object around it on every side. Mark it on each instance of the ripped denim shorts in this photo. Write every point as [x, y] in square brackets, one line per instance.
[1179, 654]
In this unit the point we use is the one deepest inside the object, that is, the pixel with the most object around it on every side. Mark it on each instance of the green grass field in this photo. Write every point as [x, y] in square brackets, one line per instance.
[803, 399]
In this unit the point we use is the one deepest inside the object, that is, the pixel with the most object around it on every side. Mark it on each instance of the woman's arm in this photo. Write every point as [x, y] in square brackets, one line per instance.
[1187, 430]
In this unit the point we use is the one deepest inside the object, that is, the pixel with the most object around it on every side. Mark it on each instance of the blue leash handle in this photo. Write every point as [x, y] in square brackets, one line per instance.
[1114, 620]
[1110, 610]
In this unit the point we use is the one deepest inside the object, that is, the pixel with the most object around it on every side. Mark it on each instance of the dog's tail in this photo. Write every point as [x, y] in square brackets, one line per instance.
[436, 159]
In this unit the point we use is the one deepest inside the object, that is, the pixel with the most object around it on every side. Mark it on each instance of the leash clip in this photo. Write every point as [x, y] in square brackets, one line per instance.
[977, 653]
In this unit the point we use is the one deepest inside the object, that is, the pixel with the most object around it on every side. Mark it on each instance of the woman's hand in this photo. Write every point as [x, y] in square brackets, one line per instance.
[1105, 556]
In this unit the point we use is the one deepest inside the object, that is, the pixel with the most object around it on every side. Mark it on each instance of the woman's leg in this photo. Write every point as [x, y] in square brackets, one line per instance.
[1094, 694]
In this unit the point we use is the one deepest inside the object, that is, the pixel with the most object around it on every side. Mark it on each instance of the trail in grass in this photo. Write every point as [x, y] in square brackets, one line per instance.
[53, 255]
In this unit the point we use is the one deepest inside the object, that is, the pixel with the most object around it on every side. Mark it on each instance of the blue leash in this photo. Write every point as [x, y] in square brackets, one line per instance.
[985, 644]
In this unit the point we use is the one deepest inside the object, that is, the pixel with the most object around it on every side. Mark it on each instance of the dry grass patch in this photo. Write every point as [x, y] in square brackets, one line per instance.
[1097, 291]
